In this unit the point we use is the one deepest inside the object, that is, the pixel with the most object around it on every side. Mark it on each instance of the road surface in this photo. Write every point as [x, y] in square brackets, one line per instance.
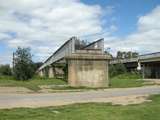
[54, 99]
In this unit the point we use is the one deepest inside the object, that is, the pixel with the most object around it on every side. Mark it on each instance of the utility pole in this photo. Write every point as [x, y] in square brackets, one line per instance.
[13, 62]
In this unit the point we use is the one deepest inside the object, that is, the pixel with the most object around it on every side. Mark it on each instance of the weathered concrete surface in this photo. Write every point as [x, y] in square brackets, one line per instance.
[88, 70]
[41, 73]
[51, 73]
[54, 99]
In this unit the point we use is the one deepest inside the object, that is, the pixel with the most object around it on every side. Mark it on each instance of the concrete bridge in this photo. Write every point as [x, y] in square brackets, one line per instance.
[84, 65]
[149, 64]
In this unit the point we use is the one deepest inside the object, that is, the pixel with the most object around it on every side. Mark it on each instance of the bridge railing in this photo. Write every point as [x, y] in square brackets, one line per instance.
[65, 50]
[126, 60]
[99, 44]
[149, 56]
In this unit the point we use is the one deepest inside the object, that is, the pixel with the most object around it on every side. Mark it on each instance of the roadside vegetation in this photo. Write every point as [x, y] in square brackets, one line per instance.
[23, 72]
[119, 81]
[121, 78]
[126, 80]
[88, 111]
[35, 84]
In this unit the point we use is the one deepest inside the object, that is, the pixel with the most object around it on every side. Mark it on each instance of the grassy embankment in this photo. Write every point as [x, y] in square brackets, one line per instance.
[119, 81]
[89, 111]
[126, 80]
[32, 84]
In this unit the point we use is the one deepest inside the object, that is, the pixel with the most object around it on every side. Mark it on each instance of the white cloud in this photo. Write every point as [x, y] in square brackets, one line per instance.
[44, 24]
[145, 39]
[150, 21]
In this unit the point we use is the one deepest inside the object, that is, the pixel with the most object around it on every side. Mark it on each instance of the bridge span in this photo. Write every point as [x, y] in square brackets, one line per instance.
[148, 64]
[86, 64]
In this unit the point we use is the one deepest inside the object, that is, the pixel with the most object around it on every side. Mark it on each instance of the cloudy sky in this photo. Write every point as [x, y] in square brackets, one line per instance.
[43, 25]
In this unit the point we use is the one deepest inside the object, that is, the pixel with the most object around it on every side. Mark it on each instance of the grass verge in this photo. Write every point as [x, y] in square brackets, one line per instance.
[126, 80]
[32, 84]
[89, 111]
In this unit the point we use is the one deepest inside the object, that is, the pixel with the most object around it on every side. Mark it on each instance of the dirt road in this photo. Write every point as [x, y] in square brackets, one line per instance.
[54, 99]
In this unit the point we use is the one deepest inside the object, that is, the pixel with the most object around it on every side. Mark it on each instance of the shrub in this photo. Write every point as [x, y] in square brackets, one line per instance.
[5, 70]
[23, 65]
[117, 69]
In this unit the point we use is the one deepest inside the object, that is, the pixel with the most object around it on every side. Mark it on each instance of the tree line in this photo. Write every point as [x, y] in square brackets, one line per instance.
[121, 68]
[23, 66]
[128, 54]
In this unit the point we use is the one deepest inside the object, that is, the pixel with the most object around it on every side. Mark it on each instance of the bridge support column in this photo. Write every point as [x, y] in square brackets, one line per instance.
[51, 73]
[88, 70]
[41, 73]
[143, 72]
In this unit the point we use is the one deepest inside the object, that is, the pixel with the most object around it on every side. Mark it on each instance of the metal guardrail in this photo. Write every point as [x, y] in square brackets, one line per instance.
[149, 56]
[116, 61]
[99, 45]
[142, 58]
[65, 50]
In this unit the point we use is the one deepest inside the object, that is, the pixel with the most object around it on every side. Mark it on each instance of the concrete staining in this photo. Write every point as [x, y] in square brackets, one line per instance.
[89, 70]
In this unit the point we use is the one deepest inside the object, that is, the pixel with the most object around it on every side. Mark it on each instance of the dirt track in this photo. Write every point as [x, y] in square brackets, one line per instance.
[54, 99]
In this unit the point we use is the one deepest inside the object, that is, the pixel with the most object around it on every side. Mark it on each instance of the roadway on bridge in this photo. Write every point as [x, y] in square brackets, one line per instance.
[54, 99]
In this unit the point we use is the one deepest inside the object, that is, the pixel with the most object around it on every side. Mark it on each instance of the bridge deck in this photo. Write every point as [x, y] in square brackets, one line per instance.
[130, 60]
[142, 58]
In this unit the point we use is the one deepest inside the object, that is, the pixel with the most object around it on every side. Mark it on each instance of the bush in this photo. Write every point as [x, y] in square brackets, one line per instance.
[5, 70]
[117, 69]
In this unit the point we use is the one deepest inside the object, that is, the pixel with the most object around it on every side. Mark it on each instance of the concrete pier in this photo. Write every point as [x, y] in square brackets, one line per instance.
[88, 70]
[51, 73]
[41, 73]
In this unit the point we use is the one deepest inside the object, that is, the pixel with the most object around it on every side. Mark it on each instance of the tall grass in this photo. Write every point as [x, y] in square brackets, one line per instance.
[126, 80]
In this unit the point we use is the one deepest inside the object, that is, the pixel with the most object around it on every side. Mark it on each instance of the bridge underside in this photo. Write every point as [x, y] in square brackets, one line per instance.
[151, 70]
[131, 66]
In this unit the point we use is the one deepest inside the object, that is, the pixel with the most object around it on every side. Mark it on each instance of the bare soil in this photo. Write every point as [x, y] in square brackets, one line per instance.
[6, 90]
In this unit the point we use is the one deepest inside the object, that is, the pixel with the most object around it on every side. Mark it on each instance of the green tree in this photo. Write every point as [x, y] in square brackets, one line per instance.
[135, 54]
[117, 69]
[37, 65]
[23, 64]
[119, 54]
[129, 54]
[5, 70]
